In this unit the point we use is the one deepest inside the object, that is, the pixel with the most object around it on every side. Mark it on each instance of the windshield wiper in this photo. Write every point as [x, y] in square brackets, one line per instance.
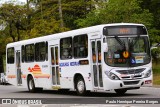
[134, 42]
[120, 42]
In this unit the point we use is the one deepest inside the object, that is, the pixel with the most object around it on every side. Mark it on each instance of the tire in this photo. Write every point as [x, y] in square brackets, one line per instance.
[31, 85]
[120, 91]
[80, 86]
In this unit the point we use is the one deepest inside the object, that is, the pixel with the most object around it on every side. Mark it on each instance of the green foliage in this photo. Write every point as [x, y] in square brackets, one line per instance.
[45, 19]
[156, 54]
[154, 7]
[45, 27]
[13, 16]
[24, 22]
[154, 35]
[117, 11]
[74, 10]
[156, 73]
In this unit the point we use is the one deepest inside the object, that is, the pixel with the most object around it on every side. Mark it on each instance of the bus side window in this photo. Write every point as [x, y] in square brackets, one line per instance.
[29, 53]
[93, 52]
[66, 48]
[40, 51]
[80, 46]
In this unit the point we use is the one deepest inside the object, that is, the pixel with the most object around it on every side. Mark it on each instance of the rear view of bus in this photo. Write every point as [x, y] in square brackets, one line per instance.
[127, 58]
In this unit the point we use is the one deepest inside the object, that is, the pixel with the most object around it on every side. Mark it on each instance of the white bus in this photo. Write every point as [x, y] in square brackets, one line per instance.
[103, 57]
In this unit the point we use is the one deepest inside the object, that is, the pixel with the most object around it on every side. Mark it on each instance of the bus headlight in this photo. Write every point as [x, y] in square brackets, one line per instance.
[148, 73]
[112, 76]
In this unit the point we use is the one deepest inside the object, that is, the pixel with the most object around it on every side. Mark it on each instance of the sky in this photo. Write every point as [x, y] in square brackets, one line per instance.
[2, 1]
[23, 0]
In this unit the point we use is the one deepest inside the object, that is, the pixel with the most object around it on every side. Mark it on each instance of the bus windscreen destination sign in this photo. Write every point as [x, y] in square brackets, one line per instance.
[124, 30]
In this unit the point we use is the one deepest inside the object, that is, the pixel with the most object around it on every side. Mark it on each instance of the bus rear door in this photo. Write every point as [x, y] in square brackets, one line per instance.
[18, 68]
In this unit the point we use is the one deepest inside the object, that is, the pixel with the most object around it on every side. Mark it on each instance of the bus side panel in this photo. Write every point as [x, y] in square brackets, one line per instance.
[45, 80]
[11, 66]
[11, 74]
[39, 71]
[68, 73]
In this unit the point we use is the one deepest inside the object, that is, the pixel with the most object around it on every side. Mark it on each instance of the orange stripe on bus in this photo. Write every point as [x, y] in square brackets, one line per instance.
[35, 76]
[23, 76]
[41, 75]
[11, 76]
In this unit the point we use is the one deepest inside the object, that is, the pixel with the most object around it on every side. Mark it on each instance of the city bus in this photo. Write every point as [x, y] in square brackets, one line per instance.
[99, 58]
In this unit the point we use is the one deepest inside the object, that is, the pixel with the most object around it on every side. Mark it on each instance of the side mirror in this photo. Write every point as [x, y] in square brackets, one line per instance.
[105, 47]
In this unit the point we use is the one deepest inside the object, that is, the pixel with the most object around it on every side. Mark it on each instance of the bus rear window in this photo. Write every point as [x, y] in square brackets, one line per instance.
[10, 55]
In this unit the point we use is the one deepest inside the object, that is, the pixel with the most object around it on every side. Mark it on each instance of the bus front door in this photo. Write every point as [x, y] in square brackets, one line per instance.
[96, 63]
[18, 67]
[55, 67]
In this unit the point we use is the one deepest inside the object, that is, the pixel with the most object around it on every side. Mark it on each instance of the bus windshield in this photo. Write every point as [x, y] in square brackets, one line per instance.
[127, 51]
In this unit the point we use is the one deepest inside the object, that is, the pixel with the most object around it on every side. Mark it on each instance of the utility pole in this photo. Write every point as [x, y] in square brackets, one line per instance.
[60, 13]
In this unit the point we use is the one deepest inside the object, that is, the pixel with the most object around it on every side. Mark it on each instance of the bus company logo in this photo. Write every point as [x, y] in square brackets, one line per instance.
[35, 70]
[6, 101]
[132, 76]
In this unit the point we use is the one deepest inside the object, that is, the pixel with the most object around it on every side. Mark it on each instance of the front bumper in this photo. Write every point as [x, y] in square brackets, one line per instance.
[127, 84]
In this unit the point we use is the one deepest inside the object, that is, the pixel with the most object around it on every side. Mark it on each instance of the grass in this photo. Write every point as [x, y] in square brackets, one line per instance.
[156, 74]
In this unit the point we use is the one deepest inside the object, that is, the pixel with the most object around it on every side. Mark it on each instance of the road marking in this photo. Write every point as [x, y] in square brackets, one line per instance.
[23, 106]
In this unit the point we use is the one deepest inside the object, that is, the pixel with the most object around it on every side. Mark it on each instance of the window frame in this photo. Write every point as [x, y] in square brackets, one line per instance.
[85, 49]
[30, 53]
[12, 54]
[38, 48]
[22, 53]
[68, 49]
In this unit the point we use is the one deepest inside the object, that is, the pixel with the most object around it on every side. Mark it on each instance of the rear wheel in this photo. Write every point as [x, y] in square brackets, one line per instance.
[80, 86]
[120, 91]
[31, 85]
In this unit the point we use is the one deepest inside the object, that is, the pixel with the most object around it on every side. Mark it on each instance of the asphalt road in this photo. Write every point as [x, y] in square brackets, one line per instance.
[50, 98]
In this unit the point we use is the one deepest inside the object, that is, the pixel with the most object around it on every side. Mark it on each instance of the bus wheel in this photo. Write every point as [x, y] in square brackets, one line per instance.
[80, 86]
[120, 91]
[31, 85]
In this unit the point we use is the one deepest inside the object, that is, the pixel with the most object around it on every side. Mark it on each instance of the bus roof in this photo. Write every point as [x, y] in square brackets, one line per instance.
[87, 30]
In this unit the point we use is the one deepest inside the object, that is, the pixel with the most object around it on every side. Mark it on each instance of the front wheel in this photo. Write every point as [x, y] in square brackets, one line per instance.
[80, 86]
[120, 91]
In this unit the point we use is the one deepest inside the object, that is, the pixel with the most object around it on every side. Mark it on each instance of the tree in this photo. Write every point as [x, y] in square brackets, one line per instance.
[45, 19]
[13, 16]
[154, 7]
[2, 50]
[75, 9]
[117, 11]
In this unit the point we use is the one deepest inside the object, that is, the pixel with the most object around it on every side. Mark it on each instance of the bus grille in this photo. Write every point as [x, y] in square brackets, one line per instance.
[130, 82]
[131, 71]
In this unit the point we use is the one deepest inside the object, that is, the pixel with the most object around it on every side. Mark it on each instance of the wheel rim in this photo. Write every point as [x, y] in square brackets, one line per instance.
[80, 86]
[31, 84]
